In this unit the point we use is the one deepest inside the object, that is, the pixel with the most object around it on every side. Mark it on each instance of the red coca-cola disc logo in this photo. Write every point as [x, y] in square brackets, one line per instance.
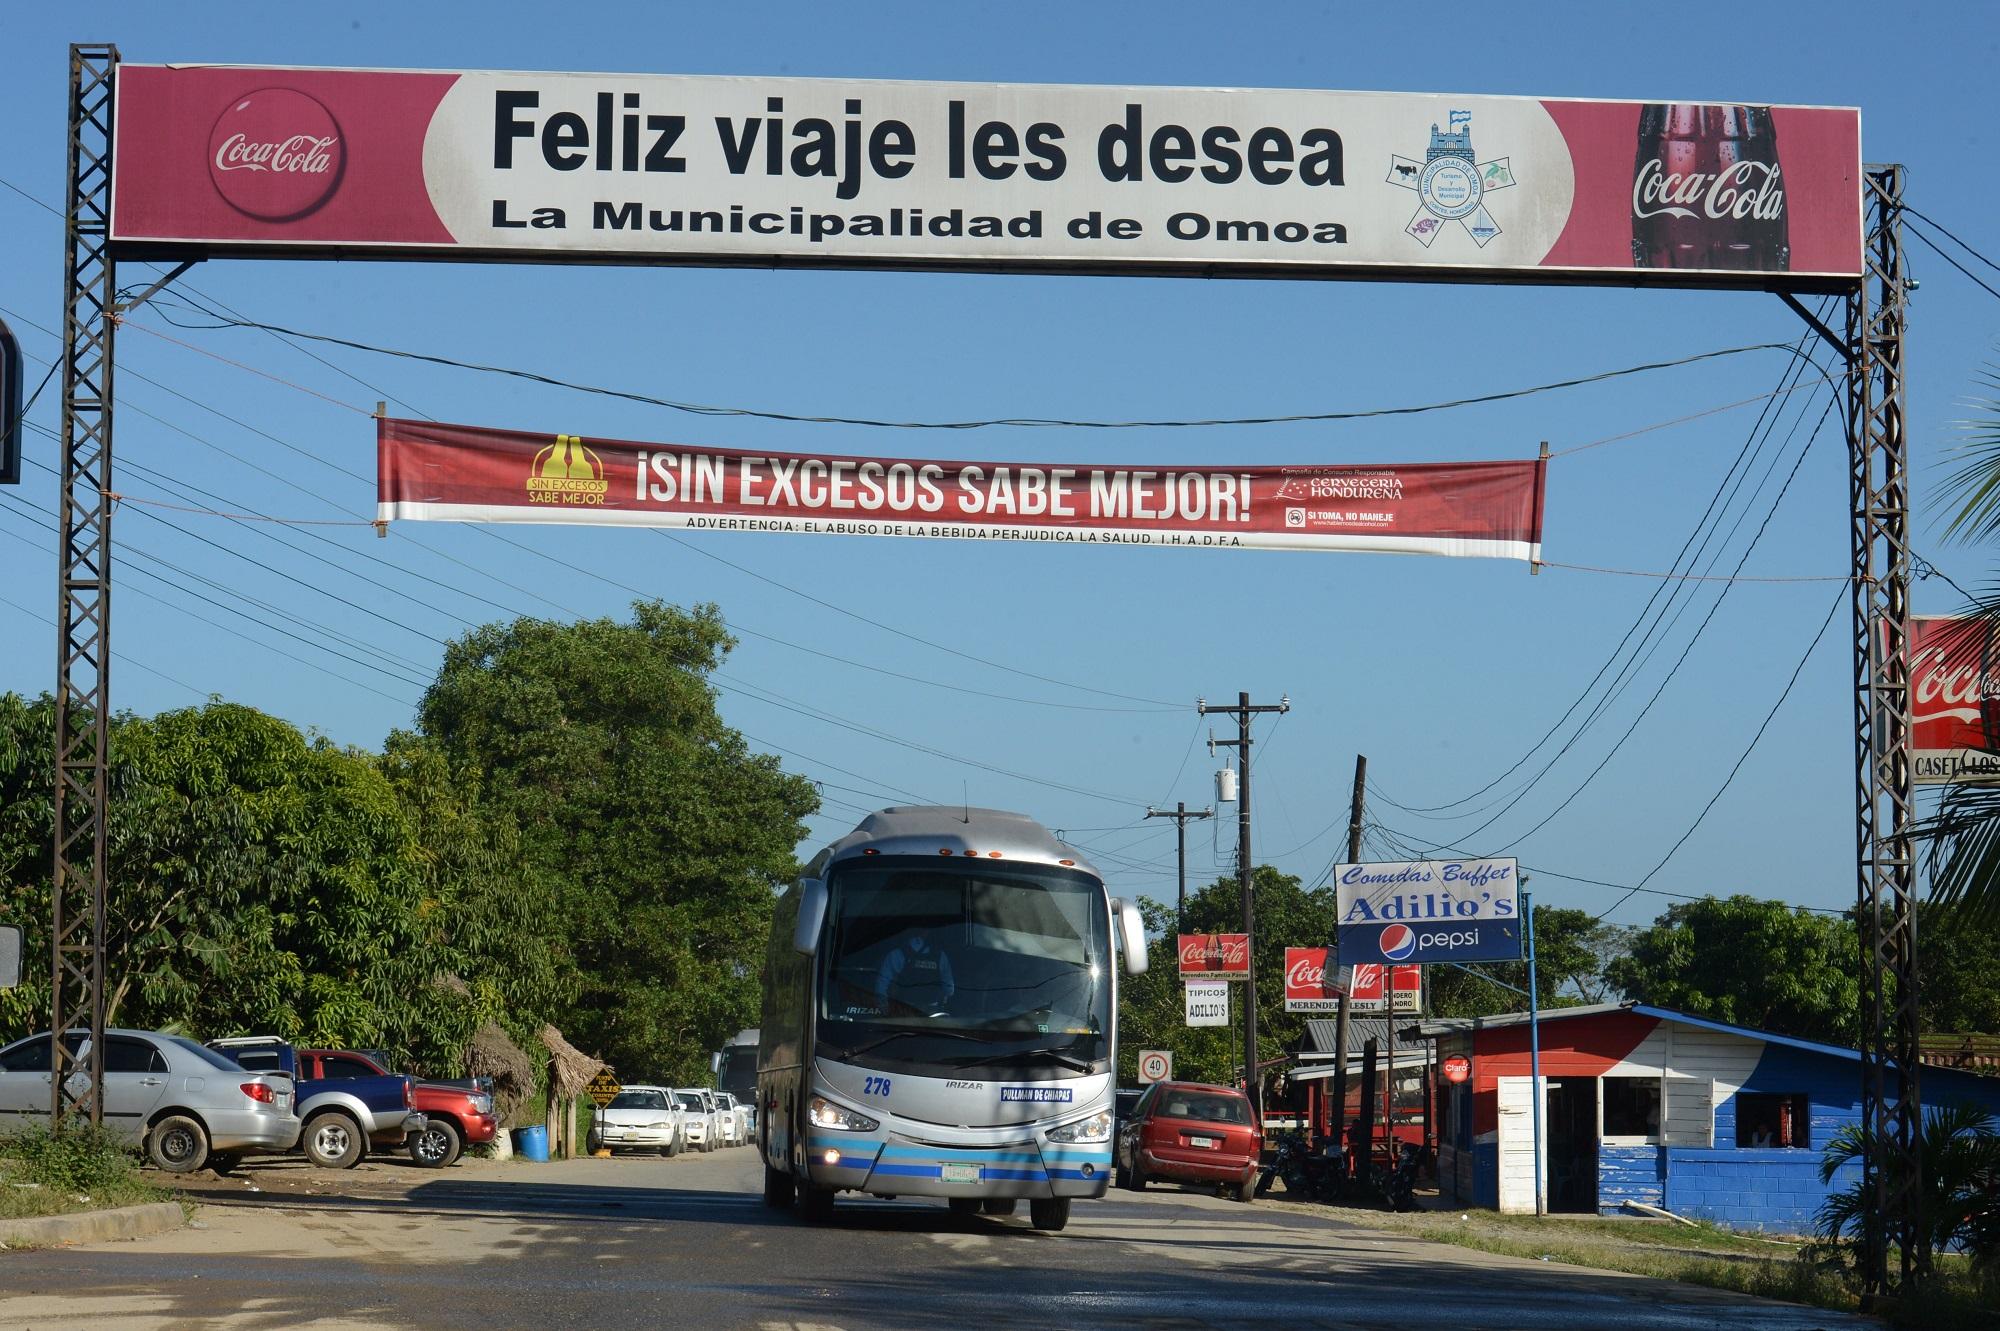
[276, 154]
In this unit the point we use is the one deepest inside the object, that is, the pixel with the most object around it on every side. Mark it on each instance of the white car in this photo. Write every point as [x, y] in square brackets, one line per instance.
[640, 1118]
[703, 1133]
[739, 1114]
[730, 1126]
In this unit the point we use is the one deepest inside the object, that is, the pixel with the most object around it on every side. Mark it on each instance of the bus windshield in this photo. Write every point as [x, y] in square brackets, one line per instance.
[926, 962]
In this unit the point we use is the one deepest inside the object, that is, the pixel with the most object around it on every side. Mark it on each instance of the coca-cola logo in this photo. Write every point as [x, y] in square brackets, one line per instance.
[1305, 973]
[1215, 952]
[276, 154]
[1742, 191]
[1960, 686]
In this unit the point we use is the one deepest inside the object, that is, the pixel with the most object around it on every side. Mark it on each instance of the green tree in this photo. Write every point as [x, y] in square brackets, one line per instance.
[1151, 1010]
[262, 880]
[1749, 962]
[1572, 951]
[1959, 959]
[661, 836]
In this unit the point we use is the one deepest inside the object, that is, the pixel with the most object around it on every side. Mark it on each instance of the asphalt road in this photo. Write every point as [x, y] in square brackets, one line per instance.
[688, 1243]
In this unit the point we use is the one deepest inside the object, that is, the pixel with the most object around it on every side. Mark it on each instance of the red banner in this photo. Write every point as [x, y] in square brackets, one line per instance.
[1309, 987]
[435, 472]
[1954, 700]
[1225, 956]
[1365, 985]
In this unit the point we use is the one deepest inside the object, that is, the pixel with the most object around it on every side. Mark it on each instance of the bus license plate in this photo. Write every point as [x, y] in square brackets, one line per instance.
[1210, 1142]
[959, 1173]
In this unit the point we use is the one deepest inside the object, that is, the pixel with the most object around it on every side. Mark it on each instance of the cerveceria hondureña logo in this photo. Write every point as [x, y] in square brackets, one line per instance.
[567, 473]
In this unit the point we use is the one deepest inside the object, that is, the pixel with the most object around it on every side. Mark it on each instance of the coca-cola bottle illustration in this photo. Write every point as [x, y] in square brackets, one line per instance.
[1707, 190]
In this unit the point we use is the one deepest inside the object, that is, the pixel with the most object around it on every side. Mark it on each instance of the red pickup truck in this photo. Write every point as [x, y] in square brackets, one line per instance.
[457, 1114]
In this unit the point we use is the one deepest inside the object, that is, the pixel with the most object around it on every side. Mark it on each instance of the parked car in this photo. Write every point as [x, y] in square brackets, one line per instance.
[738, 1119]
[703, 1132]
[457, 1114]
[639, 1118]
[346, 1104]
[1191, 1133]
[184, 1106]
[729, 1129]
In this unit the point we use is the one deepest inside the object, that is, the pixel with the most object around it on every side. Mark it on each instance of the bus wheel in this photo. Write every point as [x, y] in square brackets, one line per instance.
[815, 1203]
[998, 1205]
[1048, 1213]
[778, 1188]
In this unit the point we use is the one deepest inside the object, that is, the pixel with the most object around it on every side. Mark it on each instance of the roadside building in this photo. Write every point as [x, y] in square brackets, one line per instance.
[1315, 1063]
[1648, 1105]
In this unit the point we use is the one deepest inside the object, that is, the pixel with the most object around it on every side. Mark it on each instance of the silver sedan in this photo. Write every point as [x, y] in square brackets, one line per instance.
[183, 1105]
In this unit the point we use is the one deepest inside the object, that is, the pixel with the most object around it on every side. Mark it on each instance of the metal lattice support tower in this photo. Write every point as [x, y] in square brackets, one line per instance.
[83, 645]
[1887, 900]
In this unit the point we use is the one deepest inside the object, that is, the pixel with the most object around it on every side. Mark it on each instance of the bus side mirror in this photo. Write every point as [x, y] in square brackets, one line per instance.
[715, 1064]
[812, 914]
[1131, 935]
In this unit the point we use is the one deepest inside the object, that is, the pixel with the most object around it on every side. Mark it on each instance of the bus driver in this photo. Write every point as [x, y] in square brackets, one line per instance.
[915, 976]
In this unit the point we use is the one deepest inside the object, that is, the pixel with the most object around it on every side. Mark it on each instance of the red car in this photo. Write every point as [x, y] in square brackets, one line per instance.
[457, 1114]
[1187, 1132]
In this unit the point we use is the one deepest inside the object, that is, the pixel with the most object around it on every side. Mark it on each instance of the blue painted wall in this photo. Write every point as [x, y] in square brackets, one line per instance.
[1630, 1174]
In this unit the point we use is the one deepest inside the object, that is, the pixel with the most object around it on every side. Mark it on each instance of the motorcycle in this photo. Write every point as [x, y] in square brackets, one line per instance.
[1398, 1186]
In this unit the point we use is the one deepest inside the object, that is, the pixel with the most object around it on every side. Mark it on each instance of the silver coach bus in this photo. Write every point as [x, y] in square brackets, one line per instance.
[940, 1001]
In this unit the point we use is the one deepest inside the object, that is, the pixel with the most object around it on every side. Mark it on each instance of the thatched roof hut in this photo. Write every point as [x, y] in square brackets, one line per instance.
[494, 1054]
[570, 1069]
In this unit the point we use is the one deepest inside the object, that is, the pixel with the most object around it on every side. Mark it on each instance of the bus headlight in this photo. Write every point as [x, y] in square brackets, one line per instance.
[1096, 1128]
[825, 1113]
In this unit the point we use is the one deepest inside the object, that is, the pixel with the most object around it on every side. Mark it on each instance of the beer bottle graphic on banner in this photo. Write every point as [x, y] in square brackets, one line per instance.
[1707, 189]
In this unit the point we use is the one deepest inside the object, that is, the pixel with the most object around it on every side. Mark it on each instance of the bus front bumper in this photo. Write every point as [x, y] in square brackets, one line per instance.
[899, 1168]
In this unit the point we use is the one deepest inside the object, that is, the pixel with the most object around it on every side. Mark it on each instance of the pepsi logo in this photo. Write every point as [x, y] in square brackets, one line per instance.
[276, 154]
[1397, 941]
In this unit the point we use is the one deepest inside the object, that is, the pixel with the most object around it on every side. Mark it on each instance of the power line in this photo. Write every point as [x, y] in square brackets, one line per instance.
[1741, 758]
[1025, 422]
[1723, 495]
[1932, 245]
[1952, 237]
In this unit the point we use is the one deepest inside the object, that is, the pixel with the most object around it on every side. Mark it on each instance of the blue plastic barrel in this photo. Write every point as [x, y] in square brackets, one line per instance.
[532, 1144]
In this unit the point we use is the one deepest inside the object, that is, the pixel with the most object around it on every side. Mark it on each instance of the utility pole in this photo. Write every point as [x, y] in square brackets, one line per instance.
[1341, 1014]
[1180, 815]
[1243, 711]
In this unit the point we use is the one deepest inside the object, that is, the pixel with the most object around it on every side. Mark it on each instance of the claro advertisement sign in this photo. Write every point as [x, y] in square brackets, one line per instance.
[1428, 910]
[433, 471]
[847, 172]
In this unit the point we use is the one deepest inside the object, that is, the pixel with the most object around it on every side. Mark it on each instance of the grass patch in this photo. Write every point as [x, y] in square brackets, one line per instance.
[80, 1169]
[1795, 1270]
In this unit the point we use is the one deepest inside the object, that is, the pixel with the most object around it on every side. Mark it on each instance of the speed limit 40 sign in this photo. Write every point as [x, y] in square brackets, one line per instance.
[1155, 1065]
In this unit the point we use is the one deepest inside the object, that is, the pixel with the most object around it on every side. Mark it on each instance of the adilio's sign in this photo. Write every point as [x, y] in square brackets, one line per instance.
[1419, 911]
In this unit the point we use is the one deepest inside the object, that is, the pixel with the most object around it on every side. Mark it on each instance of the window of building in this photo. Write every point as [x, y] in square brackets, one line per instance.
[1632, 1108]
[1766, 1119]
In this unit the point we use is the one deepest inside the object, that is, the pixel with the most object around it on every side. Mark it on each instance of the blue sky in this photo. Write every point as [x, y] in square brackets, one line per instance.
[1444, 672]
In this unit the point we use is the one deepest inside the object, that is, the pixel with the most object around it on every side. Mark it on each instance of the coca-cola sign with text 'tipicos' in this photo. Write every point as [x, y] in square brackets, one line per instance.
[1244, 182]
[1223, 956]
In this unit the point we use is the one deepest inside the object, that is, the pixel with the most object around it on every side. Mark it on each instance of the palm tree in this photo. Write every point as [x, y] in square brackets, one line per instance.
[1963, 836]
[1959, 1189]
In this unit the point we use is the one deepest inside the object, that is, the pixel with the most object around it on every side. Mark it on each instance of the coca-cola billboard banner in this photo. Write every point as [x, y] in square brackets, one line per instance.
[849, 173]
[1312, 980]
[1954, 700]
[1369, 990]
[463, 473]
[1215, 956]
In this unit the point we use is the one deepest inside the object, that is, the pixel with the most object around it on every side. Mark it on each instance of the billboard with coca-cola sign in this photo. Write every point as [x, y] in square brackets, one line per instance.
[1220, 956]
[1312, 980]
[216, 159]
[1368, 988]
[1954, 700]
